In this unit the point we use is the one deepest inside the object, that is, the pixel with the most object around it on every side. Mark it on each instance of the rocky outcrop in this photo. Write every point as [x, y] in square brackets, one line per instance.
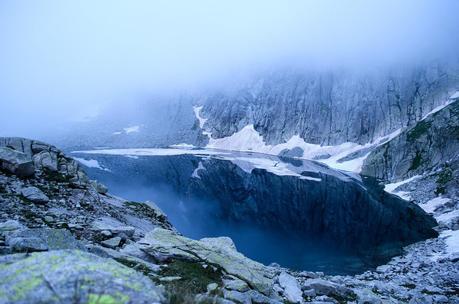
[73, 276]
[16, 162]
[431, 144]
[84, 246]
[330, 108]
[220, 252]
[369, 224]
[315, 211]
[322, 107]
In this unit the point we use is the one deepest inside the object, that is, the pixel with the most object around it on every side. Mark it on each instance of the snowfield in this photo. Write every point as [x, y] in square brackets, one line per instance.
[249, 140]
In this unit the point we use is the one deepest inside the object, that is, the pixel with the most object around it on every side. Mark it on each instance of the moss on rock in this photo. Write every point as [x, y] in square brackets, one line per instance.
[63, 276]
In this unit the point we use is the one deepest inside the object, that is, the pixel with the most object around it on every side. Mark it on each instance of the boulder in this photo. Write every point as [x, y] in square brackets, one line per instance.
[292, 291]
[10, 225]
[165, 244]
[34, 195]
[236, 284]
[26, 244]
[112, 225]
[73, 276]
[16, 162]
[100, 188]
[47, 160]
[327, 288]
[112, 243]
[41, 239]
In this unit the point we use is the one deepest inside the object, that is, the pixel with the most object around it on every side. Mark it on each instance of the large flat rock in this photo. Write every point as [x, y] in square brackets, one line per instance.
[73, 276]
[221, 252]
[16, 162]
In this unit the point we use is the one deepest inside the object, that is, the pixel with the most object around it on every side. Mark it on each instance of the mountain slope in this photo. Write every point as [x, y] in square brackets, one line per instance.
[430, 144]
[330, 108]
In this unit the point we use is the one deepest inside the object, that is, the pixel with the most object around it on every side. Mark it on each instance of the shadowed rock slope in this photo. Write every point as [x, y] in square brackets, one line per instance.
[65, 239]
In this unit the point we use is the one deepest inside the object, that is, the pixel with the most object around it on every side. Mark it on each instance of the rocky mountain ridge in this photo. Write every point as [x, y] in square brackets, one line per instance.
[321, 107]
[330, 108]
[103, 249]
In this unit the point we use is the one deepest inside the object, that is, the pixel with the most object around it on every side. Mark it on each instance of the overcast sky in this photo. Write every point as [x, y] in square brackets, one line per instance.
[66, 60]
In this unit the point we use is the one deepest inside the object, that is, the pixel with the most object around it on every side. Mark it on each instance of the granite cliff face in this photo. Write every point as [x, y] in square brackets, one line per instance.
[312, 209]
[327, 210]
[330, 108]
[326, 108]
[430, 144]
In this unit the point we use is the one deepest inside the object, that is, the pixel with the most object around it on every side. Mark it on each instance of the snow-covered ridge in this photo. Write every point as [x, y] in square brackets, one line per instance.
[248, 139]
[392, 188]
[454, 97]
[246, 161]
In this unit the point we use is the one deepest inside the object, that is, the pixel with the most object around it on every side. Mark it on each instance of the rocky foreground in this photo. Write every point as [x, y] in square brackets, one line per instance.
[65, 239]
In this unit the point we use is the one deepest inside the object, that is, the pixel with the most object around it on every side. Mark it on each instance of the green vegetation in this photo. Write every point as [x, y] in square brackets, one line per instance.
[417, 160]
[421, 128]
[445, 176]
[194, 279]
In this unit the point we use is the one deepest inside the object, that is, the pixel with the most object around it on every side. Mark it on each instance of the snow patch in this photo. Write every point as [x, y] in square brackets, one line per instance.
[90, 163]
[195, 173]
[433, 204]
[197, 112]
[133, 129]
[249, 140]
[452, 241]
[446, 217]
[128, 130]
[455, 95]
[451, 99]
[150, 152]
[392, 187]
[246, 139]
[182, 146]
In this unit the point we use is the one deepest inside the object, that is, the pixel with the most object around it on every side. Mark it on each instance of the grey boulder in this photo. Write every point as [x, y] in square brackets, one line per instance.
[73, 276]
[165, 244]
[41, 239]
[34, 195]
[16, 162]
[47, 160]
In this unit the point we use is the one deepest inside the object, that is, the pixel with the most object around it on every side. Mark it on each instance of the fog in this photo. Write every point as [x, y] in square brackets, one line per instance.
[63, 61]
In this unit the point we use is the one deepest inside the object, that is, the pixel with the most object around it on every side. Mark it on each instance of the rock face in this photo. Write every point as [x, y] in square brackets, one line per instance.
[42, 157]
[16, 162]
[310, 209]
[35, 195]
[72, 276]
[292, 291]
[163, 244]
[65, 260]
[431, 143]
[41, 239]
[330, 108]
[365, 219]
[325, 108]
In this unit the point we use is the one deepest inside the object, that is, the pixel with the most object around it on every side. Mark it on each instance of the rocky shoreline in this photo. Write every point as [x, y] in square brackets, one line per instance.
[65, 239]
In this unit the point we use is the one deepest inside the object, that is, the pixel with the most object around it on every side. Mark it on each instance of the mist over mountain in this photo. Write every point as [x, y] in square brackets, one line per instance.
[229, 151]
[67, 62]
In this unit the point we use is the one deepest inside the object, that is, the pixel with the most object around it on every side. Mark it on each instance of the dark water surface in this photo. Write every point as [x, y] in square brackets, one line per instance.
[314, 219]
